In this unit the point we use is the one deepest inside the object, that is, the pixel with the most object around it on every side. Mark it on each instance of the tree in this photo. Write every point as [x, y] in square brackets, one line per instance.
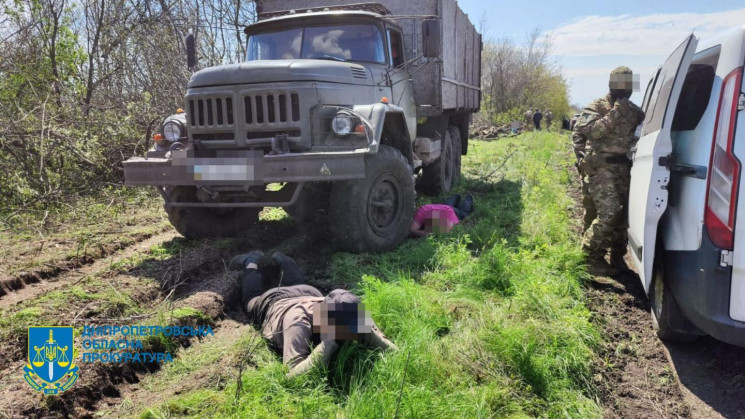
[519, 77]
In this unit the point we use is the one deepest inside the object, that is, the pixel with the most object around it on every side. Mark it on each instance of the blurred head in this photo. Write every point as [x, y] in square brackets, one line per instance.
[623, 82]
[438, 223]
[341, 316]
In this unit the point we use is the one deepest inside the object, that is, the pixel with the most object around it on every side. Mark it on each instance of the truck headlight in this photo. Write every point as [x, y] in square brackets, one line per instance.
[341, 124]
[172, 131]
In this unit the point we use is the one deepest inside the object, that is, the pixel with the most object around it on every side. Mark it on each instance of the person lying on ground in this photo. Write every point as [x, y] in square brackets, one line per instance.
[293, 315]
[441, 218]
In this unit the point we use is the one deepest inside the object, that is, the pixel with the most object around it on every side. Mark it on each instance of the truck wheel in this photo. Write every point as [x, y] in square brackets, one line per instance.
[437, 177]
[457, 154]
[375, 213]
[665, 310]
[195, 223]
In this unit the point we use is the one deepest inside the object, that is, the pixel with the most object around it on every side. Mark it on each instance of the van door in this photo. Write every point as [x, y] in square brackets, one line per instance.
[650, 174]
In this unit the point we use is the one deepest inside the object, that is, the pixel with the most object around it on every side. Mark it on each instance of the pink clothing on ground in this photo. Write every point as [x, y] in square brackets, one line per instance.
[431, 211]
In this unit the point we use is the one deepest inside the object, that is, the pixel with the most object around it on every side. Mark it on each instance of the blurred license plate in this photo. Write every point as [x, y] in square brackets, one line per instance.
[225, 171]
[239, 165]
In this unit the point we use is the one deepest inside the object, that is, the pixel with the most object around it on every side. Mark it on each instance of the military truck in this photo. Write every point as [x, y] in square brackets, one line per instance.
[338, 110]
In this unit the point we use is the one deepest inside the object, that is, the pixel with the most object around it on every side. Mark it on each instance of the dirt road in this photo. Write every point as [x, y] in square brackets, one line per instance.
[641, 376]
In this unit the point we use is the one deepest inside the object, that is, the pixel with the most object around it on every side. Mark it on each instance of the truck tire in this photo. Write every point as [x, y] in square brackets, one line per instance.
[664, 308]
[375, 213]
[196, 223]
[457, 154]
[437, 177]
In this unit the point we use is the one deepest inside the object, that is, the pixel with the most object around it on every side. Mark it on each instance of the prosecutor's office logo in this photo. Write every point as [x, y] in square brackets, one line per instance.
[50, 368]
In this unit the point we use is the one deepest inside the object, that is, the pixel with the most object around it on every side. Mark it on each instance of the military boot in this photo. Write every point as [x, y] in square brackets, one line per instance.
[597, 266]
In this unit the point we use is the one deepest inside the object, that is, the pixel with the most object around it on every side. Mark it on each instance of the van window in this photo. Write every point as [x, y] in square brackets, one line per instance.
[694, 98]
[648, 93]
[662, 90]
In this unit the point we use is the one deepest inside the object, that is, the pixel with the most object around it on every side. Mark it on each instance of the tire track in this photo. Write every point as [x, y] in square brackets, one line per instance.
[65, 277]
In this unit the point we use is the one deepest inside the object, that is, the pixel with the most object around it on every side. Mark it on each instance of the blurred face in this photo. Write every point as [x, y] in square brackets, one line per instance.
[438, 223]
[623, 85]
[341, 321]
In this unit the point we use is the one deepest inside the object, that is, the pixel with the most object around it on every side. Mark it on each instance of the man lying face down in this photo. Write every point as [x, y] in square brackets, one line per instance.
[295, 316]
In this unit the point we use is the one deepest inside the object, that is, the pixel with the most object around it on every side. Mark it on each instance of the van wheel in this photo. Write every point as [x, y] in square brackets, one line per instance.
[437, 177]
[195, 223]
[665, 310]
[374, 213]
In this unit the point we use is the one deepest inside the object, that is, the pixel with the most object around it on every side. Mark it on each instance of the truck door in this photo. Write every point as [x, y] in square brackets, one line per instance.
[650, 174]
[402, 91]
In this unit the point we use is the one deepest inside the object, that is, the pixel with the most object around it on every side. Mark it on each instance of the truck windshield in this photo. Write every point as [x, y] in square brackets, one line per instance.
[358, 42]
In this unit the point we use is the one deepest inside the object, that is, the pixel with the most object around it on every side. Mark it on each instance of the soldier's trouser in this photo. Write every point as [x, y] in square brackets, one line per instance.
[608, 187]
[620, 237]
[588, 205]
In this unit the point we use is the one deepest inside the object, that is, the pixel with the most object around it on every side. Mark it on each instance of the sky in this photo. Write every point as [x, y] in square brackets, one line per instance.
[592, 37]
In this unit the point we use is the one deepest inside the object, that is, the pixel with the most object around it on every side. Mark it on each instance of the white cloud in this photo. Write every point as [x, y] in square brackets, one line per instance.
[655, 34]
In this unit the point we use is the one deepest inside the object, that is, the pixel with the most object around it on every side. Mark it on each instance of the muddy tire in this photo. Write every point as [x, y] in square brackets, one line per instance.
[666, 315]
[439, 176]
[195, 223]
[457, 154]
[375, 213]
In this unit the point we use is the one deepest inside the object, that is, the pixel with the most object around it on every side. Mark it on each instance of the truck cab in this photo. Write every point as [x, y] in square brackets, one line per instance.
[684, 234]
[337, 110]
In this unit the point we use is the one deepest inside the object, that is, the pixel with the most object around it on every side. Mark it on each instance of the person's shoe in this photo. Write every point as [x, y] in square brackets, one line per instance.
[240, 261]
[290, 271]
[468, 204]
[597, 266]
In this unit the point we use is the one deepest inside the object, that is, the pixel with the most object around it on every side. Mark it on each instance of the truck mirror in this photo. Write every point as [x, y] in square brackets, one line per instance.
[431, 38]
[191, 52]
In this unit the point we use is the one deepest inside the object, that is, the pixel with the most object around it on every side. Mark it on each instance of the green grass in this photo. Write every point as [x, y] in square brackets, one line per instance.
[490, 319]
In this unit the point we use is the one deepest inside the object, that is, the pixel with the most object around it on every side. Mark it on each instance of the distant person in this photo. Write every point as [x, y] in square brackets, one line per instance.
[537, 116]
[549, 117]
[565, 123]
[528, 118]
[441, 218]
[293, 316]
[602, 138]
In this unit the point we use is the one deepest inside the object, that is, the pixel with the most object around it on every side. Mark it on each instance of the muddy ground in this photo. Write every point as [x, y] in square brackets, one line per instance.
[636, 374]
[640, 376]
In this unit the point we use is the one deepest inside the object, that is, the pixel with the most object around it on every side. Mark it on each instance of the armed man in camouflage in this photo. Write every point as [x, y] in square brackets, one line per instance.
[602, 138]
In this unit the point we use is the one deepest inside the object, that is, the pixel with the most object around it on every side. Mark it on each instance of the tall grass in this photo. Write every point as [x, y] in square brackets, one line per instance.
[490, 319]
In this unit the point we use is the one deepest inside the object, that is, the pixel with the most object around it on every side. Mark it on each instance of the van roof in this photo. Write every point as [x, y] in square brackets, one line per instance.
[736, 33]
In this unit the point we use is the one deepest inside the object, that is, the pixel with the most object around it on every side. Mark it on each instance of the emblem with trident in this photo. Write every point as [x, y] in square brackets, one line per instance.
[50, 349]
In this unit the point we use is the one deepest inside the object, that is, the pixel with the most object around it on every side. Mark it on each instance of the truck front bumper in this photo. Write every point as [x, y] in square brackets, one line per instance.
[244, 168]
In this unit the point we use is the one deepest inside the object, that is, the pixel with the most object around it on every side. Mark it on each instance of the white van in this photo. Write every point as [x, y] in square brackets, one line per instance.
[684, 236]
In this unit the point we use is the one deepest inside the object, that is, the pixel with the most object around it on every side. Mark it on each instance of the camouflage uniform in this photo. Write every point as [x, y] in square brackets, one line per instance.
[528, 119]
[549, 117]
[602, 138]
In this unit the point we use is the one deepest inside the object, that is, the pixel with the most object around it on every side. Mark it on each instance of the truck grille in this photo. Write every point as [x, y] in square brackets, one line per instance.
[211, 112]
[246, 119]
[271, 108]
